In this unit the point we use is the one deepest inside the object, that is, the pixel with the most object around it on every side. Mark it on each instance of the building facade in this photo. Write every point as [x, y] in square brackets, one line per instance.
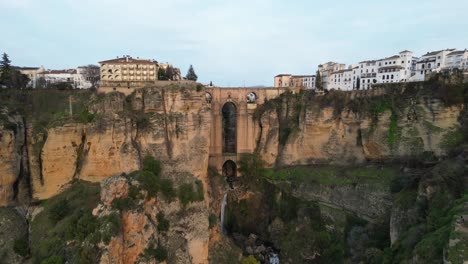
[326, 70]
[33, 73]
[341, 80]
[456, 60]
[282, 80]
[431, 62]
[128, 69]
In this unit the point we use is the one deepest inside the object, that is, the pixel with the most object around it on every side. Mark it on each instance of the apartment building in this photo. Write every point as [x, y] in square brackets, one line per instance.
[327, 69]
[128, 69]
[431, 62]
[456, 60]
[341, 80]
[366, 74]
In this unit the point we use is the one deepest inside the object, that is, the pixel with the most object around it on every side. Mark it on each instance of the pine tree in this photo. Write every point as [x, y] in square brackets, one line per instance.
[191, 74]
[5, 68]
[318, 82]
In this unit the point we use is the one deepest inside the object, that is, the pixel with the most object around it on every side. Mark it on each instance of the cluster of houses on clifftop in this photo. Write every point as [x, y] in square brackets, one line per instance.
[404, 67]
[121, 71]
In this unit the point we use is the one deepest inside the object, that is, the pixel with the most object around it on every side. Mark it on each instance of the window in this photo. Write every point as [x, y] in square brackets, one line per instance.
[392, 76]
[383, 77]
[438, 57]
[402, 62]
[385, 63]
[438, 64]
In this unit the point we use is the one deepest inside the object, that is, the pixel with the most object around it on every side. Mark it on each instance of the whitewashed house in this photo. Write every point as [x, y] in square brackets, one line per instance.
[397, 68]
[341, 80]
[326, 70]
[431, 62]
[456, 60]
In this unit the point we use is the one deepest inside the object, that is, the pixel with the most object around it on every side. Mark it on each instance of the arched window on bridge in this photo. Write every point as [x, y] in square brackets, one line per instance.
[229, 128]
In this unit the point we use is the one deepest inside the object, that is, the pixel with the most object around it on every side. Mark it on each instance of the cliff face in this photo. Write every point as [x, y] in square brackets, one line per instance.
[297, 131]
[172, 126]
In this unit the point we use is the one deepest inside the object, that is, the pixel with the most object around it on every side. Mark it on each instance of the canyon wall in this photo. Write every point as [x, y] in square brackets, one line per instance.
[296, 131]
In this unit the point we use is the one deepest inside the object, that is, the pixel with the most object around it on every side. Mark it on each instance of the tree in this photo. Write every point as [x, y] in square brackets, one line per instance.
[191, 74]
[169, 74]
[91, 74]
[318, 82]
[162, 74]
[5, 68]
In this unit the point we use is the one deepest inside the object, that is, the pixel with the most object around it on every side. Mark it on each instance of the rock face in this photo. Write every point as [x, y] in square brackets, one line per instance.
[327, 136]
[12, 156]
[13, 227]
[186, 240]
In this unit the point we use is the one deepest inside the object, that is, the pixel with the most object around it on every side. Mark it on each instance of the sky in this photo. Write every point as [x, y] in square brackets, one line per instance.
[233, 43]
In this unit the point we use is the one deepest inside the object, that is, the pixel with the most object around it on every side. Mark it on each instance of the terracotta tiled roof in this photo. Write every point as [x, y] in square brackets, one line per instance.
[283, 74]
[128, 60]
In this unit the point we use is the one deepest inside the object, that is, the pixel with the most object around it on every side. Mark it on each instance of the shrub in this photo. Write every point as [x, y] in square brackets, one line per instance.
[134, 192]
[212, 220]
[21, 247]
[123, 204]
[53, 260]
[160, 253]
[186, 194]
[163, 223]
[200, 192]
[252, 165]
[59, 211]
[167, 189]
[150, 164]
[111, 226]
[199, 87]
[250, 260]
[149, 182]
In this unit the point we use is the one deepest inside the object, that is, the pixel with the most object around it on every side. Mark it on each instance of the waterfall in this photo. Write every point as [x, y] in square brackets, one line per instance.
[223, 206]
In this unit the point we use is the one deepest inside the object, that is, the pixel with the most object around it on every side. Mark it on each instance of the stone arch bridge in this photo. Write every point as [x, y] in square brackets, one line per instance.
[233, 130]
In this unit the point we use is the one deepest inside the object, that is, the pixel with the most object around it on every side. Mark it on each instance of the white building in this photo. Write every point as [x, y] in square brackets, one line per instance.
[309, 81]
[326, 70]
[397, 68]
[430, 62]
[33, 74]
[341, 80]
[86, 76]
[367, 73]
[457, 60]
[60, 76]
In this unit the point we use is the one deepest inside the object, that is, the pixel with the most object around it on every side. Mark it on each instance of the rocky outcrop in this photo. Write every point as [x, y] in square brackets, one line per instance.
[186, 240]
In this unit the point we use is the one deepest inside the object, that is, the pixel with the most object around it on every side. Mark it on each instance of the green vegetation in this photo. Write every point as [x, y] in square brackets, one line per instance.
[163, 223]
[67, 217]
[151, 252]
[212, 220]
[452, 139]
[252, 165]
[150, 164]
[191, 75]
[335, 175]
[21, 246]
[187, 194]
[123, 204]
[250, 260]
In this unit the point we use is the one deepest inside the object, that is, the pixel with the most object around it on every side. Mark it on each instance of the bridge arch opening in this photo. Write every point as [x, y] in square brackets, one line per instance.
[229, 123]
[230, 172]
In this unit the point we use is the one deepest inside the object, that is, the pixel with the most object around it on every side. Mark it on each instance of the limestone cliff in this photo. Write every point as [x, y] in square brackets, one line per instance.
[336, 128]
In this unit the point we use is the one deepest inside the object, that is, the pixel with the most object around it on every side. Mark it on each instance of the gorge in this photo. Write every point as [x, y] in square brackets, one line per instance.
[376, 176]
